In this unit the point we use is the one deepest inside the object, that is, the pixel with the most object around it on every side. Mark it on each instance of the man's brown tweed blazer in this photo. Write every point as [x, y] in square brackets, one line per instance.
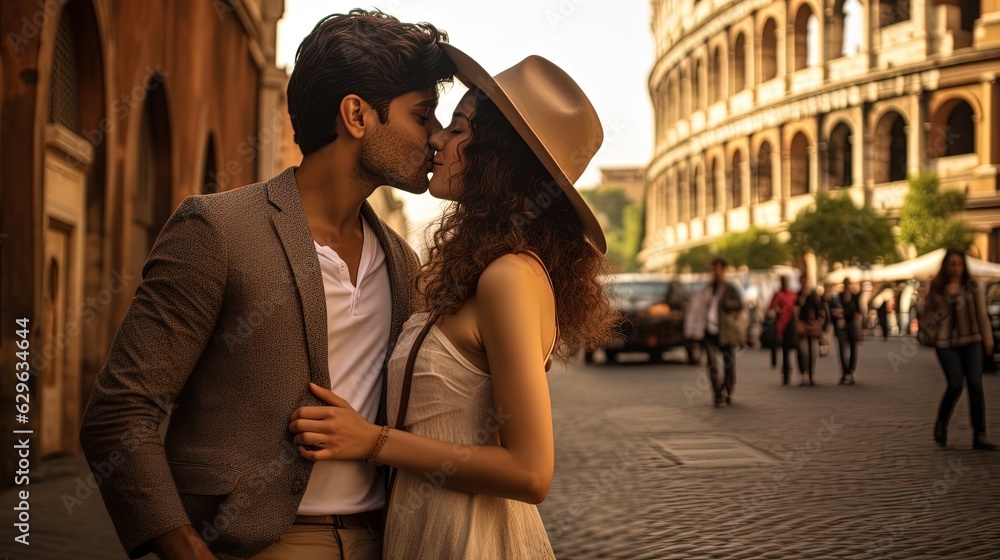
[224, 334]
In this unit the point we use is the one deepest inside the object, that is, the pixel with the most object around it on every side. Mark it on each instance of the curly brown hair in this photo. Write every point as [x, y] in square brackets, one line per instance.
[509, 203]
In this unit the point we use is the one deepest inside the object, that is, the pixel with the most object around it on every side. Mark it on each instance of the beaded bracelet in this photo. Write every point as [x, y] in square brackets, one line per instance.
[382, 436]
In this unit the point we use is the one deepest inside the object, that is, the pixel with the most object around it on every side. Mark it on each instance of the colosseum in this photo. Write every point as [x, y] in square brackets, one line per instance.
[761, 104]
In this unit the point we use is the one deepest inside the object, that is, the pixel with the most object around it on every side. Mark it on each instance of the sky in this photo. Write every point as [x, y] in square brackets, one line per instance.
[607, 50]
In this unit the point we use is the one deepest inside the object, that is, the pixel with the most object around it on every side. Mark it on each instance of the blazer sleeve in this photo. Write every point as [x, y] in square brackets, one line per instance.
[159, 341]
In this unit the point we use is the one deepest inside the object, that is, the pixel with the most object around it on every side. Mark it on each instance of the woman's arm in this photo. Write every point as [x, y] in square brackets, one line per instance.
[512, 300]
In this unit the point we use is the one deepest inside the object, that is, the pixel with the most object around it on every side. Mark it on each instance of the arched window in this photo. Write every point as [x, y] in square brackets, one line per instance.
[769, 51]
[693, 191]
[673, 193]
[152, 201]
[953, 130]
[682, 197]
[840, 163]
[685, 107]
[961, 130]
[718, 71]
[971, 10]
[893, 11]
[806, 38]
[696, 85]
[812, 41]
[736, 181]
[710, 186]
[890, 148]
[209, 177]
[675, 99]
[763, 188]
[739, 64]
[853, 29]
[799, 170]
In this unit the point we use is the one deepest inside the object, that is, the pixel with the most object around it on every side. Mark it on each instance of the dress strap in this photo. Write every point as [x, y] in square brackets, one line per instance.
[555, 339]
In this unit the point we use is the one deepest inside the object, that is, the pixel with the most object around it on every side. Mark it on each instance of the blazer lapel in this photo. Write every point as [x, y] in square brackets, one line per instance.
[296, 239]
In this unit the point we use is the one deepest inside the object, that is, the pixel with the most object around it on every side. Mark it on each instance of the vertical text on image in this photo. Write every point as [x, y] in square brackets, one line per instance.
[22, 438]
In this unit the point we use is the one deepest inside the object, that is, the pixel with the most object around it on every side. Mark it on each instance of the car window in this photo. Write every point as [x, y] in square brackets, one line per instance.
[635, 291]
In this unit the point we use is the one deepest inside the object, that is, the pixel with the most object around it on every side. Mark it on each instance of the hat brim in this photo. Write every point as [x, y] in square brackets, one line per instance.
[470, 73]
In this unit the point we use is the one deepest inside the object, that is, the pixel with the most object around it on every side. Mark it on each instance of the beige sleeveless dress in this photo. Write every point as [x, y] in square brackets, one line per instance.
[452, 400]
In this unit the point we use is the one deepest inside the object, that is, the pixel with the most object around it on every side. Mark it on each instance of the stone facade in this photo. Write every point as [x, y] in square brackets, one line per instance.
[112, 113]
[761, 104]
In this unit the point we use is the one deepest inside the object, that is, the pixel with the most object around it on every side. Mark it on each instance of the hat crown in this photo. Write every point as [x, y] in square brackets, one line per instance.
[557, 110]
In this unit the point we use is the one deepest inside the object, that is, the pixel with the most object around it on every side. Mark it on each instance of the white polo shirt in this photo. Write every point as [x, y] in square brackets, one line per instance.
[358, 320]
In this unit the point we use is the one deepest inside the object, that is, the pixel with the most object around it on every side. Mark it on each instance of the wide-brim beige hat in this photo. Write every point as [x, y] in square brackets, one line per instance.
[553, 116]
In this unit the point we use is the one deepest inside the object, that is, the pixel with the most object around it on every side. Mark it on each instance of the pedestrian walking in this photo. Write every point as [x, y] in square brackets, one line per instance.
[882, 312]
[811, 316]
[957, 325]
[782, 308]
[717, 319]
[845, 309]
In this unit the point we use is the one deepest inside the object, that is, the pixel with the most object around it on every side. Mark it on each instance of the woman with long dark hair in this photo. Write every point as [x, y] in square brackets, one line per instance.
[955, 315]
[512, 278]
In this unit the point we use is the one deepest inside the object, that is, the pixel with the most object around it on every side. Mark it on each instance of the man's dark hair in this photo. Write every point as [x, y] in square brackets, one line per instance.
[719, 261]
[367, 53]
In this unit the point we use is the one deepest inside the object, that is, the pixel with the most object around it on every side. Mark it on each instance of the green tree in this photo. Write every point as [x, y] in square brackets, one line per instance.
[623, 244]
[755, 248]
[838, 231]
[609, 203]
[929, 218]
[695, 259]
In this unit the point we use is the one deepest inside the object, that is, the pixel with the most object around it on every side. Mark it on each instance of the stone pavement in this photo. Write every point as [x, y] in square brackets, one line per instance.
[854, 472]
[646, 468]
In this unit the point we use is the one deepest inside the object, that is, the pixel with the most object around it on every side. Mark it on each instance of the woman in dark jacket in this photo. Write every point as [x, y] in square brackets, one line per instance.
[956, 321]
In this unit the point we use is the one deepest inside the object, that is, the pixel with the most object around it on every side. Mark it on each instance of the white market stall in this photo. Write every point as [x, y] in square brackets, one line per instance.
[923, 268]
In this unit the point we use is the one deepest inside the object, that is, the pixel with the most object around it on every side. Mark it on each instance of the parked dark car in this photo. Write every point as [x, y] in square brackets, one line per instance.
[653, 309]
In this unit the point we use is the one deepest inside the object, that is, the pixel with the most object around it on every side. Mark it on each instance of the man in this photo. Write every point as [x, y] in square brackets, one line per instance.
[715, 317]
[250, 295]
[846, 312]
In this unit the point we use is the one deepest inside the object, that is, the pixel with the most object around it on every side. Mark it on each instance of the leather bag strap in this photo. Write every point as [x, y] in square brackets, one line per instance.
[404, 397]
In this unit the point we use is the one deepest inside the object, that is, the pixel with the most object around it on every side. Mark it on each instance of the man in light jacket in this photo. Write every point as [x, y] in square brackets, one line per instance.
[716, 318]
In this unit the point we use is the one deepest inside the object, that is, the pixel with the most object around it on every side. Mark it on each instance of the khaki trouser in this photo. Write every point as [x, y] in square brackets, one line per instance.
[315, 541]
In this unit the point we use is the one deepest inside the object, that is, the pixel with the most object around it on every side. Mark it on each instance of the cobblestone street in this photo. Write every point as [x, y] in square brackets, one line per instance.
[648, 469]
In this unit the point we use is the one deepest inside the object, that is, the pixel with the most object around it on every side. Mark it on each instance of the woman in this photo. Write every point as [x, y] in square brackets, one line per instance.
[956, 314]
[512, 278]
[811, 315]
[783, 308]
